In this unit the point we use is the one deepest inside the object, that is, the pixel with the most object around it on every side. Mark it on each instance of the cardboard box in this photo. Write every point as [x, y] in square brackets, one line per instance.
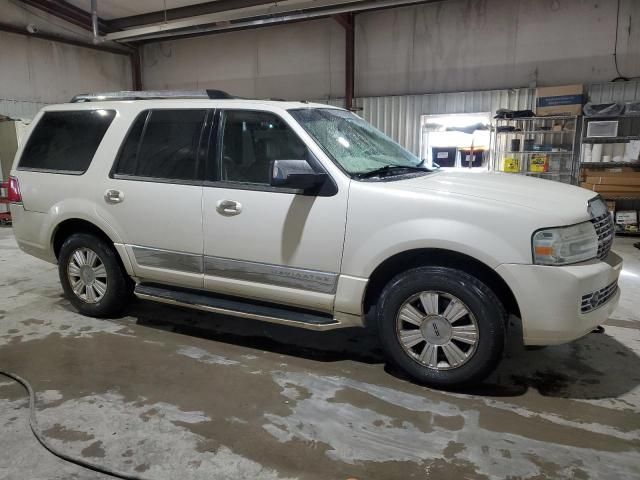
[615, 180]
[627, 217]
[617, 188]
[562, 100]
[612, 195]
[604, 172]
[611, 188]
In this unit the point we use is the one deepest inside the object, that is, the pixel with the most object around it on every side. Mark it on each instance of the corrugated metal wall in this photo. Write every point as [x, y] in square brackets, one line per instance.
[399, 116]
[19, 109]
[614, 92]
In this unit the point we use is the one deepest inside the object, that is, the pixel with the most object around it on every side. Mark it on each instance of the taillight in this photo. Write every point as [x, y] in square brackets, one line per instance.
[14, 191]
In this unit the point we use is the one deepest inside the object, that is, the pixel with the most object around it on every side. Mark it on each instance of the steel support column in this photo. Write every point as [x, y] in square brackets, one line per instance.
[347, 20]
[136, 72]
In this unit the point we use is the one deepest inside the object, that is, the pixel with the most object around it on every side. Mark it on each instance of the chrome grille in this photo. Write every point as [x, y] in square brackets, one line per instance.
[604, 228]
[596, 299]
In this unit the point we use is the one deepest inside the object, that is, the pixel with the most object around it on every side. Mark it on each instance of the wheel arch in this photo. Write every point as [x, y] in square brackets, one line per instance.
[69, 226]
[406, 260]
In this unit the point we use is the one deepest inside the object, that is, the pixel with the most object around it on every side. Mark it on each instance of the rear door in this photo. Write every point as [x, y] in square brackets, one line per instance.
[153, 195]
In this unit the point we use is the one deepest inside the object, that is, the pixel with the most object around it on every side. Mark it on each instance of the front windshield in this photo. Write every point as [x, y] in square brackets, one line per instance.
[357, 146]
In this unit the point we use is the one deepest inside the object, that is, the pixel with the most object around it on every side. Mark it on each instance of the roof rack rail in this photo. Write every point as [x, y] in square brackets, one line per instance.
[150, 95]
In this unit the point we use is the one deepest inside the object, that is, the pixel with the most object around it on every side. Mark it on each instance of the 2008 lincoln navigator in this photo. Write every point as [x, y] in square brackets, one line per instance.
[305, 215]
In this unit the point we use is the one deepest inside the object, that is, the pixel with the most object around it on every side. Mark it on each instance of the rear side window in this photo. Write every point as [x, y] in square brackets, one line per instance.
[65, 142]
[164, 144]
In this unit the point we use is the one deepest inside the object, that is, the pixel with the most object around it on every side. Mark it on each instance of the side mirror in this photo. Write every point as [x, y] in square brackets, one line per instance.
[295, 174]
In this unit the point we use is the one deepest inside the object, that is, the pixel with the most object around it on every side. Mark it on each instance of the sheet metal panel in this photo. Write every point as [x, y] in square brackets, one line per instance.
[19, 109]
[614, 92]
[399, 116]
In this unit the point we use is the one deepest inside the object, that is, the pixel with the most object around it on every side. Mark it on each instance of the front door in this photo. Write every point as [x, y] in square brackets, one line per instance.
[262, 242]
[153, 196]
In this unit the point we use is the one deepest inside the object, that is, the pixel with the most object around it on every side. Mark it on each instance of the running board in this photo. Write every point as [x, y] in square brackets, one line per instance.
[235, 307]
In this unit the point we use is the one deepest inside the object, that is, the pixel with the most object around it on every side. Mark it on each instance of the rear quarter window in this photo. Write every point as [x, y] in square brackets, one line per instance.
[65, 142]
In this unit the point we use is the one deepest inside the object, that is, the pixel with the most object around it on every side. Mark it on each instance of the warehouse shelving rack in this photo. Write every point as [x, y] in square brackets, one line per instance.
[556, 136]
[628, 129]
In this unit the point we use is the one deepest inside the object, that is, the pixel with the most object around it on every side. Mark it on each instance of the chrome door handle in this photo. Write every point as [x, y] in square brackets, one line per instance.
[228, 208]
[113, 196]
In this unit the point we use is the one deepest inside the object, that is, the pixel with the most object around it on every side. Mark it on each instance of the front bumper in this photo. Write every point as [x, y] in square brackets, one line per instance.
[550, 298]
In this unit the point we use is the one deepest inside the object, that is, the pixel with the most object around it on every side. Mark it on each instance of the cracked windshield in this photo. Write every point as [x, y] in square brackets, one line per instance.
[355, 145]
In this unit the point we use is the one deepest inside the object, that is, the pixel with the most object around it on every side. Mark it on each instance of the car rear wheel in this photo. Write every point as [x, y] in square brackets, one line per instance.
[92, 277]
[442, 326]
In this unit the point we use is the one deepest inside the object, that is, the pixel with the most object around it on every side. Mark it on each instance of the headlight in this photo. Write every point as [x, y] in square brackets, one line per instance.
[565, 245]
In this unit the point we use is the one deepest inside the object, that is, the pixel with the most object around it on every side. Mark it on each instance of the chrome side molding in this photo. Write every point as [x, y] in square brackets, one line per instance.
[270, 274]
[311, 280]
[167, 259]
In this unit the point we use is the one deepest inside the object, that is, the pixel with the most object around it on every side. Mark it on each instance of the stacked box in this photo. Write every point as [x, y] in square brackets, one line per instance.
[612, 182]
[562, 100]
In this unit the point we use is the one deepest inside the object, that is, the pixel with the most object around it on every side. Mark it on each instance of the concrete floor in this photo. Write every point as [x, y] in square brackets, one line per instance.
[175, 394]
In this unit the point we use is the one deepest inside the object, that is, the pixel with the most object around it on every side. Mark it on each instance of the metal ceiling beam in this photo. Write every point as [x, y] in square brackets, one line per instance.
[76, 16]
[272, 9]
[182, 12]
[5, 27]
[252, 17]
[69, 13]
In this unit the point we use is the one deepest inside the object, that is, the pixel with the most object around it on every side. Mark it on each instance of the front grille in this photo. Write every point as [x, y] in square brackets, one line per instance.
[604, 228]
[596, 299]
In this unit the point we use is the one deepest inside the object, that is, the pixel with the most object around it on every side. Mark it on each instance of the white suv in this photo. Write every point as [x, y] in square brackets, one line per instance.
[305, 215]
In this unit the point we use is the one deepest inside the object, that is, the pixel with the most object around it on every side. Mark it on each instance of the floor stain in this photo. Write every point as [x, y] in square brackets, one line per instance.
[66, 434]
[93, 450]
[200, 396]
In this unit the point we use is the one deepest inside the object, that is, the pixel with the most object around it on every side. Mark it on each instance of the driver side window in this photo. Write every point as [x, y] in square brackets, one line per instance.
[250, 141]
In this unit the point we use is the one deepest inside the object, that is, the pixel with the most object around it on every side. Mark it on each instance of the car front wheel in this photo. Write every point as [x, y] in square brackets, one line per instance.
[443, 327]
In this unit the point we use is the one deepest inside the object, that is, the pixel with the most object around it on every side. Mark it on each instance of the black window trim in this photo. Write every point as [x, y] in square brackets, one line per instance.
[329, 189]
[206, 126]
[75, 173]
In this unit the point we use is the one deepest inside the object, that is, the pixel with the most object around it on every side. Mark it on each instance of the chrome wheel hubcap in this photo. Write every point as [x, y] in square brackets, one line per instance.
[87, 275]
[437, 330]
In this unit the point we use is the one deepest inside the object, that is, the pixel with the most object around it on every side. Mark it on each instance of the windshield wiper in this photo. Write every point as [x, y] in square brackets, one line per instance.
[388, 169]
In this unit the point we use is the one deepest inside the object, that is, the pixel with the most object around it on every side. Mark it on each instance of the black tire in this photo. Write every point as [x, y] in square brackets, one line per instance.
[481, 302]
[119, 286]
